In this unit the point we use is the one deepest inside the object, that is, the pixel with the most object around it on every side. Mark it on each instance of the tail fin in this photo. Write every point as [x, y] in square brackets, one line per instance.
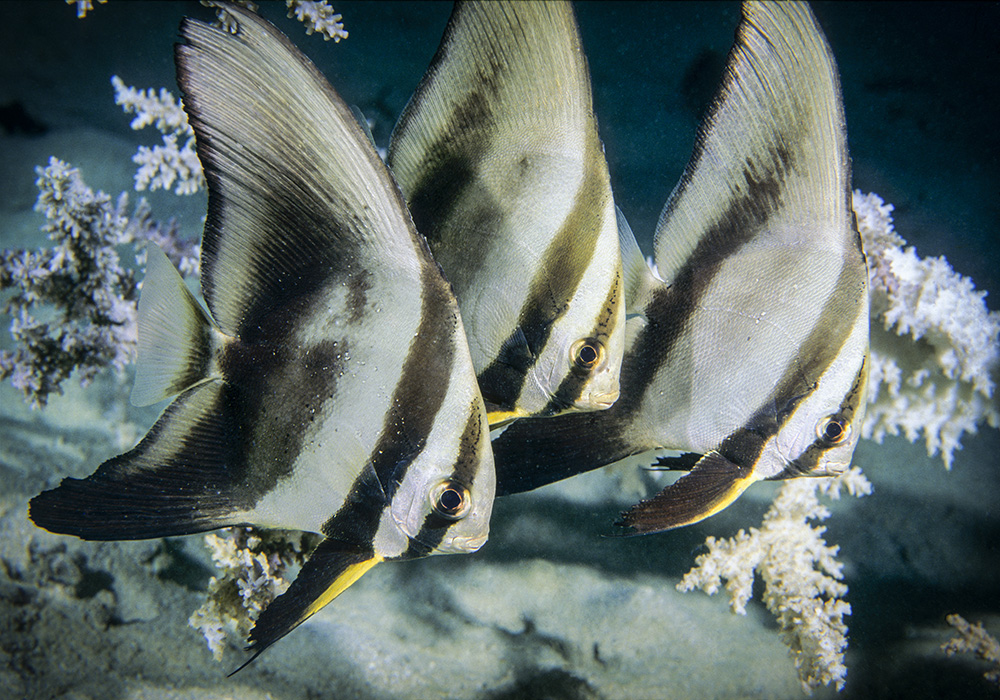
[175, 334]
[332, 568]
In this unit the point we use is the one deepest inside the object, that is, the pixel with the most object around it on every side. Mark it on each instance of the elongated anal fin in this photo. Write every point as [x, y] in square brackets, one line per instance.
[182, 478]
[175, 334]
[711, 486]
[331, 569]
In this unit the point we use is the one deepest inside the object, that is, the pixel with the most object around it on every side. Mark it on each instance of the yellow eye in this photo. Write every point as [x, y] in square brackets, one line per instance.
[451, 500]
[833, 430]
[587, 354]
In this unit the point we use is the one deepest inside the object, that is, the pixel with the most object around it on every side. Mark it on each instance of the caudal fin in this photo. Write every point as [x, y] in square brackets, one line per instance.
[176, 336]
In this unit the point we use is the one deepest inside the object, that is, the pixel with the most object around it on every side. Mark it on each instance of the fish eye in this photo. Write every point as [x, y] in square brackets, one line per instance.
[586, 354]
[833, 430]
[451, 500]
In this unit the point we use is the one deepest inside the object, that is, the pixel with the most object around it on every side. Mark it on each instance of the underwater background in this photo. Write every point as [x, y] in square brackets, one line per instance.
[551, 607]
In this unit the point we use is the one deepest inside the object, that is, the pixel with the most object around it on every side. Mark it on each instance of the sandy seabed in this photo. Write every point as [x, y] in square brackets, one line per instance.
[551, 607]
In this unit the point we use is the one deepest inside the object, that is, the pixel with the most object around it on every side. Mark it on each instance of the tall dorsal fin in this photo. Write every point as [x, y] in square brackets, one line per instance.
[499, 157]
[772, 148]
[301, 194]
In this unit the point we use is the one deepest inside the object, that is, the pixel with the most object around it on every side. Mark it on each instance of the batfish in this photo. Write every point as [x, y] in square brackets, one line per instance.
[500, 161]
[746, 350]
[328, 387]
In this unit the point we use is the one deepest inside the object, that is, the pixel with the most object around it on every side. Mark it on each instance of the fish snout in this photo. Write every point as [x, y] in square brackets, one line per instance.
[467, 544]
[602, 393]
[602, 400]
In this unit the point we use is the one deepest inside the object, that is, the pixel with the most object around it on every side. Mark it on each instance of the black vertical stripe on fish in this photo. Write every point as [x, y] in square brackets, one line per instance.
[672, 308]
[570, 252]
[416, 400]
[571, 387]
[279, 390]
[208, 456]
[282, 181]
[732, 465]
[306, 233]
[530, 454]
[474, 108]
[808, 461]
[435, 526]
[433, 214]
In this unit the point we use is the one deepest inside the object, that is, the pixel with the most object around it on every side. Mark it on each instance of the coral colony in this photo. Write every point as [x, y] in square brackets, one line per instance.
[935, 354]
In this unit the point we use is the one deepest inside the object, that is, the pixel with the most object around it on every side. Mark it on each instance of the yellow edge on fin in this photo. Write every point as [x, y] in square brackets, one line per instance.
[498, 419]
[347, 579]
[710, 487]
[723, 500]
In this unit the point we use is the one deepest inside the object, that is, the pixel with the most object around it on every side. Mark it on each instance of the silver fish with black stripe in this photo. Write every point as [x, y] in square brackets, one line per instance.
[499, 157]
[746, 350]
[330, 388]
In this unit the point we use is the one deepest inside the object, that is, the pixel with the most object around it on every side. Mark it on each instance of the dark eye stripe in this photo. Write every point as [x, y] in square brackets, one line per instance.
[424, 381]
[435, 526]
[571, 387]
[810, 457]
[549, 295]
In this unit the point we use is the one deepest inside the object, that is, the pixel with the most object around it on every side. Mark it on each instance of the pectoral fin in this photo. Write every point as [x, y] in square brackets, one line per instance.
[711, 485]
[332, 568]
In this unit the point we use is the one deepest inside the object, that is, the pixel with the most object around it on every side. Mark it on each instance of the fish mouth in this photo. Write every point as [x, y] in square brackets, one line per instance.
[602, 401]
[468, 544]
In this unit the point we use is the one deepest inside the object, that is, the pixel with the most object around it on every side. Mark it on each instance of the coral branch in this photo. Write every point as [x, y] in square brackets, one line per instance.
[166, 165]
[80, 277]
[318, 17]
[974, 639]
[253, 567]
[934, 345]
[74, 304]
[802, 578]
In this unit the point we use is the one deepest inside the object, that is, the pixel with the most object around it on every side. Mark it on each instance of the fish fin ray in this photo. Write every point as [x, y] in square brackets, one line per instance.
[711, 485]
[639, 279]
[769, 153]
[178, 480]
[330, 570]
[297, 199]
[175, 334]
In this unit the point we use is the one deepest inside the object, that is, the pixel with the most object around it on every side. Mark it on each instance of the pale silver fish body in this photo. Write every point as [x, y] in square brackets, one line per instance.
[499, 158]
[329, 386]
[747, 348]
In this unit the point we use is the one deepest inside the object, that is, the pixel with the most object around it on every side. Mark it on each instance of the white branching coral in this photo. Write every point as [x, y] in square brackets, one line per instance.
[253, 567]
[73, 305]
[168, 165]
[802, 579]
[84, 6]
[318, 17]
[934, 345]
[974, 639]
[80, 279]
